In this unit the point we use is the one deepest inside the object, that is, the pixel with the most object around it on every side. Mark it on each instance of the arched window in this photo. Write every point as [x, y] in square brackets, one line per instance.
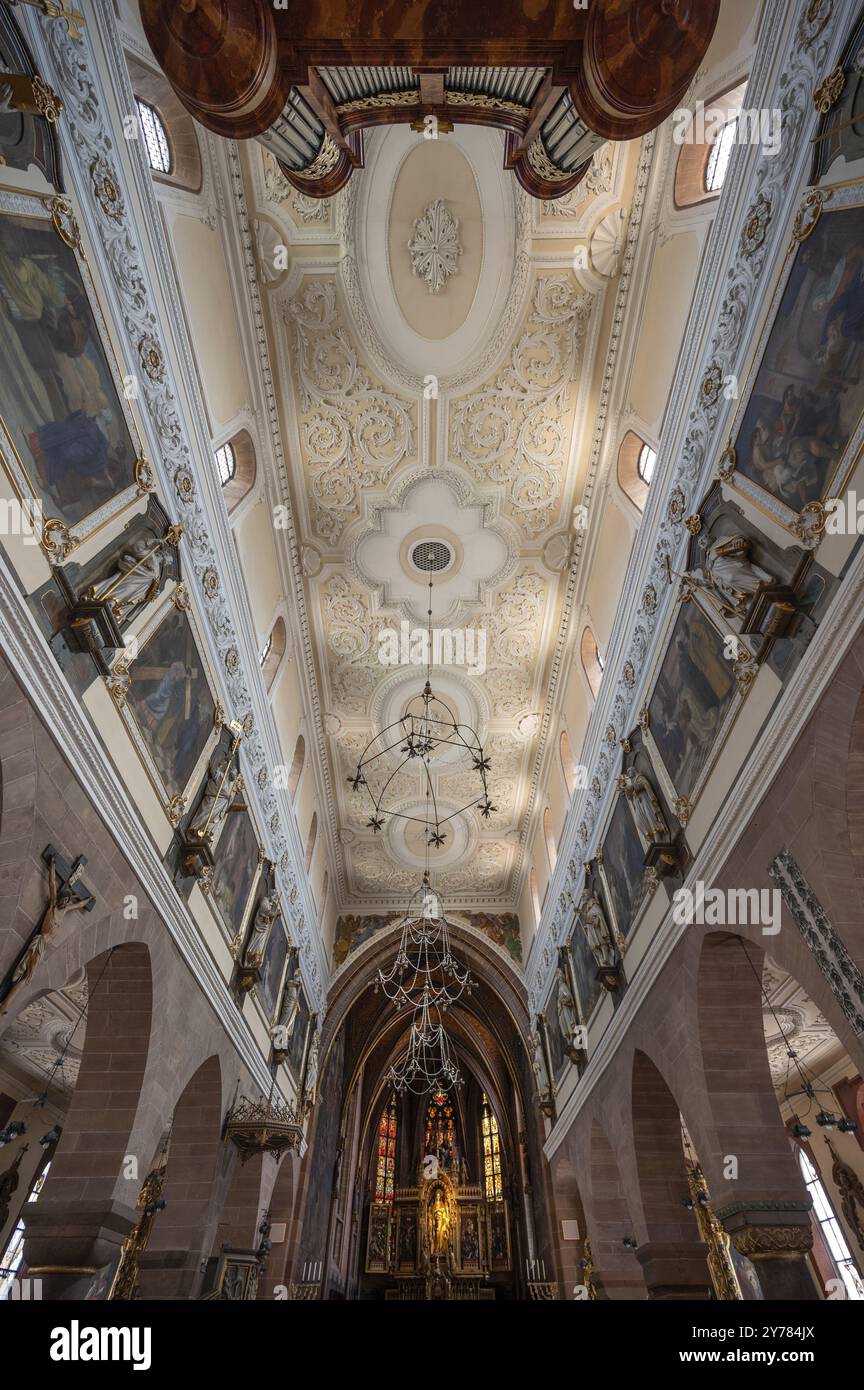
[636, 462]
[535, 898]
[549, 837]
[325, 889]
[832, 1232]
[226, 462]
[271, 654]
[155, 138]
[718, 159]
[14, 1252]
[385, 1171]
[492, 1184]
[568, 767]
[297, 765]
[236, 466]
[647, 463]
[592, 664]
[706, 144]
[310, 841]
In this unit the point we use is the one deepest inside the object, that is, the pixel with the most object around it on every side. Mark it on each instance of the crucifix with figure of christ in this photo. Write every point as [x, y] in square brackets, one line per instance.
[66, 893]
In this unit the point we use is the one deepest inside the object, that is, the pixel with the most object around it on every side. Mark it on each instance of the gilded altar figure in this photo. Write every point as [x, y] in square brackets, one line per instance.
[439, 1224]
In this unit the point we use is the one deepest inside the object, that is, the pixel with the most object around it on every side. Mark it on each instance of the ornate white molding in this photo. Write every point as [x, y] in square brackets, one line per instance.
[435, 247]
[179, 443]
[790, 60]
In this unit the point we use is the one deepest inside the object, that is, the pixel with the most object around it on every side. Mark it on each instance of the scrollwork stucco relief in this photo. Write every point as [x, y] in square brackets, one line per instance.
[354, 431]
[515, 428]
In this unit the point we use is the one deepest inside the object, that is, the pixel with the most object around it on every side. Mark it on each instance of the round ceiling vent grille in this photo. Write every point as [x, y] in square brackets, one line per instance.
[431, 556]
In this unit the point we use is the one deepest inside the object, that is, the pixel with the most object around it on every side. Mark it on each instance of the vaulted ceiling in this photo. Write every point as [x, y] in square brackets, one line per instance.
[439, 338]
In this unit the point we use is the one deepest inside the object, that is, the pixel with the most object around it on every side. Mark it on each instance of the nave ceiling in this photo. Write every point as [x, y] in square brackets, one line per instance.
[453, 409]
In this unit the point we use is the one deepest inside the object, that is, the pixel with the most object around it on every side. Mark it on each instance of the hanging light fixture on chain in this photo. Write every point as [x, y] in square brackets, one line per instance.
[425, 975]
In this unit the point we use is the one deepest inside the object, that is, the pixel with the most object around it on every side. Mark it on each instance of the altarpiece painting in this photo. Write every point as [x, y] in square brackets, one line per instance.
[623, 867]
[237, 864]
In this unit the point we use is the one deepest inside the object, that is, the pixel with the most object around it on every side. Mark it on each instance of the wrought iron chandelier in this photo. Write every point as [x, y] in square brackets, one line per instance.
[425, 975]
[428, 727]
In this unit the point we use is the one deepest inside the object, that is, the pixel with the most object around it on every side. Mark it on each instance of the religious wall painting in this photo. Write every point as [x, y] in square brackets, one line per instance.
[275, 956]
[695, 698]
[68, 439]
[554, 1036]
[622, 867]
[237, 861]
[164, 690]
[352, 930]
[798, 428]
[296, 1050]
[588, 987]
[500, 927]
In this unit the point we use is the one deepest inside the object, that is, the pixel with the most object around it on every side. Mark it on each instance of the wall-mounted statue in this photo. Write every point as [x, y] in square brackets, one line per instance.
[651, 823]
[310, 1083]
[728, 568]
[541, 1072]
[601, 940]
[129, 578]
[568, 1017]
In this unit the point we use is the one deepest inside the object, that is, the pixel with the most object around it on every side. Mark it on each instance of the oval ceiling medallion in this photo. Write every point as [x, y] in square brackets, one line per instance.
[435, 235]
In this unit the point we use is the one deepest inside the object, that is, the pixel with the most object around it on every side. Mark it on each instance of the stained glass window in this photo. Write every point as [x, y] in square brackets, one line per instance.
[155, 138]
[386, 1153]
[491, 1154]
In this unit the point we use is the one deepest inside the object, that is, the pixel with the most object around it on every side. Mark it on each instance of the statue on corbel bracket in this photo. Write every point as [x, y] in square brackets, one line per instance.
[283, 1029]
[105, 596]
[251, 959]
[750, 580]
[220, 797]
[539, 1066]
[601, 940]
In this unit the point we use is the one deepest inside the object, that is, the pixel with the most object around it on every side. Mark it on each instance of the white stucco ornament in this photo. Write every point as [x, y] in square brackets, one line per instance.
[435, 247]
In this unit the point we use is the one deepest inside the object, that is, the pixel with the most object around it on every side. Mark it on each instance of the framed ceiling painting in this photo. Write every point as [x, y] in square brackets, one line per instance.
[69, 443]
[696, 694]
[165, 693]
[798, 429]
